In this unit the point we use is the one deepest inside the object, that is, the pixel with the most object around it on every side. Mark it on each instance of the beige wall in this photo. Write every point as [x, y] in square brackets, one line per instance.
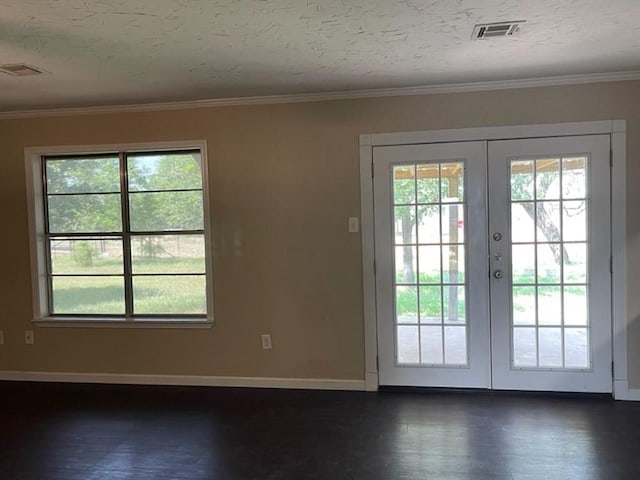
[284, 179]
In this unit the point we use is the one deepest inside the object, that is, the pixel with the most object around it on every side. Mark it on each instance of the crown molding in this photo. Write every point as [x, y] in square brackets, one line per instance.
[341, 95]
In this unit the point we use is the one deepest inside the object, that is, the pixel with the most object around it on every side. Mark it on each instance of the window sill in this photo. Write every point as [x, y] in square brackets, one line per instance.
[94, 322]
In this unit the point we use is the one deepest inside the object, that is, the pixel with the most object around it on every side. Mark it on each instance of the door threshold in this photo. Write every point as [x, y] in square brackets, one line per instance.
[490, 392]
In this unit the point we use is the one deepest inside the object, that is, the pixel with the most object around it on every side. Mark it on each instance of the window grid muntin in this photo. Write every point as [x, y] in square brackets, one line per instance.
[461, 203]
[561, 284]
[125, 235]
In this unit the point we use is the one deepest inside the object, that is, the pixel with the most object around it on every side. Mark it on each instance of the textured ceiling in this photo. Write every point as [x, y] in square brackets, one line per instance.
[135, 51]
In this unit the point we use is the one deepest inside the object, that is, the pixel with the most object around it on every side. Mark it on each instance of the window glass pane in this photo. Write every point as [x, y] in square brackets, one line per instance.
[83, 175]
[93, 256]
[89, 295]
[164, 171]
[85, 213]
[166, 211]
[178, 294]
[168, 254]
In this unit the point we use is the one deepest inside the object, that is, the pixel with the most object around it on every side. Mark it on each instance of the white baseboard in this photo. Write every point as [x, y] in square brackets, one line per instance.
[371, 382]
[185, 380]
[621, 391]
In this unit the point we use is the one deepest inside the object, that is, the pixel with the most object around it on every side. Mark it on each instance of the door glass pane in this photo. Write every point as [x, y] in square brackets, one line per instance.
[453, 302]
[431, 339]
[550, 347]
[452, 177]
[431, 304]
[406, 264]
[455, 345]
[428, 224]
[523, 264]
[524, 305]
[574, 177]
[408, 344]
[429, 264]
[407, 304]
[549, 262]
[522, 180]
[575, 262]
[428, 187]
[522, 222]
[453, 264]
[525, 347]
[430, 261]
[452, 223]
[548, 178]
[576, 348]
[549, 211]
[574, 218]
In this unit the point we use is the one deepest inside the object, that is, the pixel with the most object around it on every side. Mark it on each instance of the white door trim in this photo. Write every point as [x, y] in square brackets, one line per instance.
[615, 128]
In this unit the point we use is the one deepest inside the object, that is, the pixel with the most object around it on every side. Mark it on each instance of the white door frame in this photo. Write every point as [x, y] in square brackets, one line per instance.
[615, 128]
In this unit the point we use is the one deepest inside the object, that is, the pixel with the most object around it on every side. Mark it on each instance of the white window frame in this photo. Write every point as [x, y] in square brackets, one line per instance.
[37, 239]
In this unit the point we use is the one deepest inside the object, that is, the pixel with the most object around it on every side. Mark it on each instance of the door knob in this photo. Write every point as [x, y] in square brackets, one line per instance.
[497, 274]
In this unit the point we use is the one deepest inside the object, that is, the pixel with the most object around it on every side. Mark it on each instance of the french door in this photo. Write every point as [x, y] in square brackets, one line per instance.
[492, 264]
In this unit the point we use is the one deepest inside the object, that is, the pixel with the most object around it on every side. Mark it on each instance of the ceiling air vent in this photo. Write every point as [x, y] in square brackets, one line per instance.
[20, 70]
[498, 29]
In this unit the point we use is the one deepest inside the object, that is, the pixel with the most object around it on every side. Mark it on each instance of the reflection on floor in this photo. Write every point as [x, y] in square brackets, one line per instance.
[52, 431]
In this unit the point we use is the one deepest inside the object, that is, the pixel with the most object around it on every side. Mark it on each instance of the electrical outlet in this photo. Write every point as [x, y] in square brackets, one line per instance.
[1, 337]
[266, 341]
[28, 337]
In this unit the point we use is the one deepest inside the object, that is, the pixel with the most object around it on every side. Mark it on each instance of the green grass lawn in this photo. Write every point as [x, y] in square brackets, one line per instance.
[431, 302]
[152, 294]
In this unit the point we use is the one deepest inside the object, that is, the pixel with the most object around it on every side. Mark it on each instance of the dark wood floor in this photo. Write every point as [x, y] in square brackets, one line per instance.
[91, 432]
